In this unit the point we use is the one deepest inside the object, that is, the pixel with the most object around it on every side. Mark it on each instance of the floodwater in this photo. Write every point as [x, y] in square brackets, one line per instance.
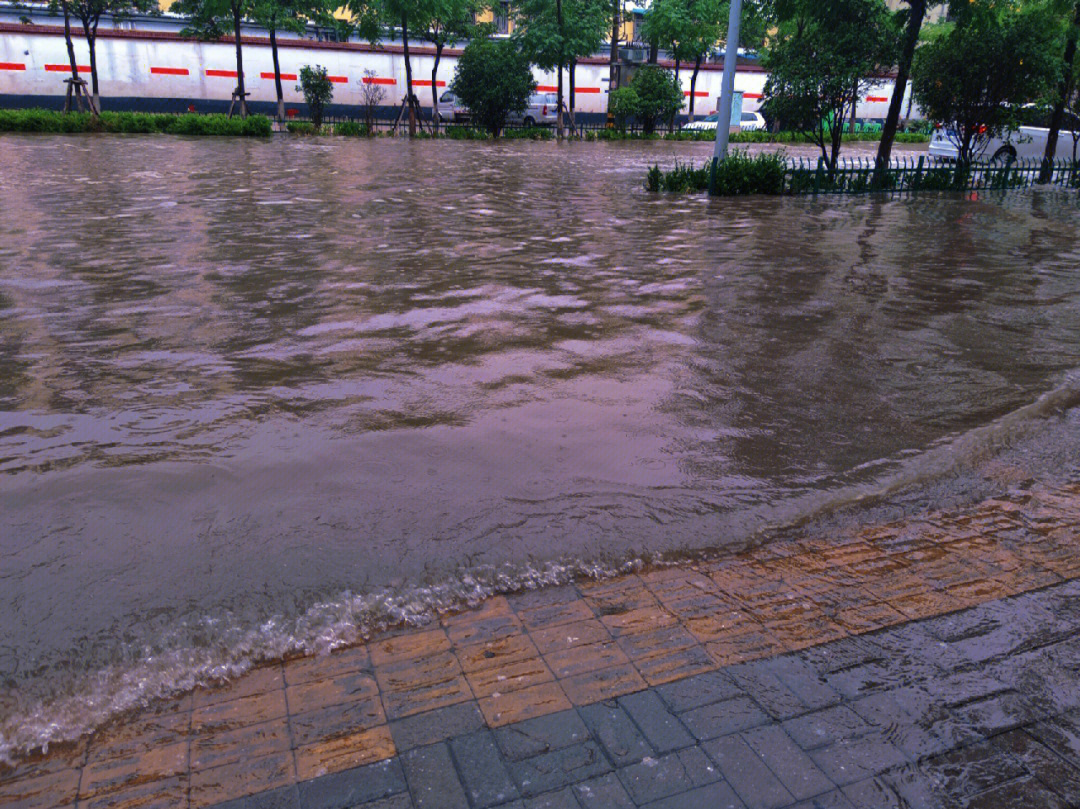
[262, 396]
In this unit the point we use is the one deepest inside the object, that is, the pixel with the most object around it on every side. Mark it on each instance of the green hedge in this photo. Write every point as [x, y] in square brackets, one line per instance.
[749, 136]
[38, 120]
[739, 174]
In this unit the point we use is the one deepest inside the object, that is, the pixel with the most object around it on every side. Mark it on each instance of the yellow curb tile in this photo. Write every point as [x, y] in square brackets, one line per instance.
[248, 777]
[527, 703]
[644, 645]
[564, 636]
[316, 694]
[850, 553]
[172, 793]
[49, 789]
[440, 667]
[250, 710]
[579, 659]
[145, 730]
[744, 647]
[426, 696]
[493, 654]
[645, 619]
[868, 618]
[337, 720]
[401, 648]
[229, 747]
[801, 634]
[675, 664]
[256, 681]
[513, 677]
[321, 667]
[595, 686]
[977, 592]
[114, 775]
[549, 615]
[344, 753]
[723, 622]
[925, 605]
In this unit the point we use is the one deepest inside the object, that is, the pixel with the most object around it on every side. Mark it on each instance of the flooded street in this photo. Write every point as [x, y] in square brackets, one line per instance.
[261, 396]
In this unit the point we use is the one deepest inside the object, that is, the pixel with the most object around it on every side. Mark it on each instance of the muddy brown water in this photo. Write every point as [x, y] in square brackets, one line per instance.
[260, 395]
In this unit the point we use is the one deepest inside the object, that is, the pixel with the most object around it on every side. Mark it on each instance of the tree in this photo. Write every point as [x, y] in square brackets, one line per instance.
[974, 78]
[373, 95]
[1065, 86]
[288, 15]
[89, 14]
[317, 90]
[207, 20]
[493, 79]
[822, 64]
[913, 20]
[445, 22]
[398, 15]
[669, 25]
[555, 33]
[654, 94]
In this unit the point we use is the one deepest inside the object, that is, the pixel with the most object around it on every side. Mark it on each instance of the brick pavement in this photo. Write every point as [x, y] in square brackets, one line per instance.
[932, 661]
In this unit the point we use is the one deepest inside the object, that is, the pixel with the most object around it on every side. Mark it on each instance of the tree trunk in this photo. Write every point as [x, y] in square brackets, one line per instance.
[693, 86]
[678, 83]
[559, 123]
[70, 49]
[239, 61]
[1064, 88]
[435, 90]
[408, 75]
[277, 73]
[613, 64]
[90, 31]
[562, 43]
[573, 90]
[654, 53]
[917, 10]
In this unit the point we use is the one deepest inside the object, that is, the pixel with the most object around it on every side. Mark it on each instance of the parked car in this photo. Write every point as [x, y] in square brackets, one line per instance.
[450, 109]
[1028, 141]
[543, 110]
[748, 122]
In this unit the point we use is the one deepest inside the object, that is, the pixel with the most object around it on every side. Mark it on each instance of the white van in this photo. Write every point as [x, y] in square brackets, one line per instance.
[1027, 142]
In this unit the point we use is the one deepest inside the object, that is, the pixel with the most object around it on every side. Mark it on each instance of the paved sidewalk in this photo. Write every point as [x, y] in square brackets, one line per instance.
[827, 671]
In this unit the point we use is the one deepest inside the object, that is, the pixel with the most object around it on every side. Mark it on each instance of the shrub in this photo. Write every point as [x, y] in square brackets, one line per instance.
[301, 128]
[352, 129]
[654, 94]
[493, 79]
[317, 90]
[740, 174]
[528, 133]
[38, 120]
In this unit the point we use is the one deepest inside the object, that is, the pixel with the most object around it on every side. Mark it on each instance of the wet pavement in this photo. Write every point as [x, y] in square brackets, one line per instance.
[929, 662]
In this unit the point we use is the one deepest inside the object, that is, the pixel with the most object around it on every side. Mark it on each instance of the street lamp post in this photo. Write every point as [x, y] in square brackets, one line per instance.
[727, 84]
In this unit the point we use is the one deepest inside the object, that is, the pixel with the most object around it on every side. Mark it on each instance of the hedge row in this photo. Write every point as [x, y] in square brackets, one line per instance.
[38, 120]
[750, 136]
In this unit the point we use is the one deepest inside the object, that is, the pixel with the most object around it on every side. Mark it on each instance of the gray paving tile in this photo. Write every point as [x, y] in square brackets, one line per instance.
[353, 787]
[722, 718]
[483, 772]
[717, 795]
[830, 800]
[436, 726]
[1045, 764]
[794, 768]
[621, 739]
[558, 768]
[1024, 792]
[660, 726]
[543, 734]
[668, 775]
[433, 778]
[847, 761]
[701, 689]
[827, 726]
[747, 774]
[403, 800]
[559, 799]
[767, 690]
[283, 798]
[970, 770]
[605, 792]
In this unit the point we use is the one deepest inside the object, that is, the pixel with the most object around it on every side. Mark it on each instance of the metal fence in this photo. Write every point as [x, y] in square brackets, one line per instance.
[857, 175]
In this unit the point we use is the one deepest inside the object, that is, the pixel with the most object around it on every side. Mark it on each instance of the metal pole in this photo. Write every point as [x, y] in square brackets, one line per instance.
[727, 84]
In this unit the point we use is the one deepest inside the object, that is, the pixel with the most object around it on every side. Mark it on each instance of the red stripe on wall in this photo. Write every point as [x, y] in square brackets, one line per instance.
[169, 71]
[876, 98]
[586, 89]
[544, 88]
[376, 80]
[697, 94]
[222, 74]
[12, 66]
[751, 95]
[339, 79]
[422, 83]
[284, 76]
[65, 68]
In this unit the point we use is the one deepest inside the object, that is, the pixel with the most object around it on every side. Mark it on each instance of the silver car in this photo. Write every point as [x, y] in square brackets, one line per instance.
[543, 110]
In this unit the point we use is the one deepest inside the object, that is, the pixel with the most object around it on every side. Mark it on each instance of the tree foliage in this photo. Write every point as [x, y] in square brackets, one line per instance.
[823, 62]
[974, 78]
[653, 95]
[493, 79]
[317, 90]
[550, 44]
[210, 19]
